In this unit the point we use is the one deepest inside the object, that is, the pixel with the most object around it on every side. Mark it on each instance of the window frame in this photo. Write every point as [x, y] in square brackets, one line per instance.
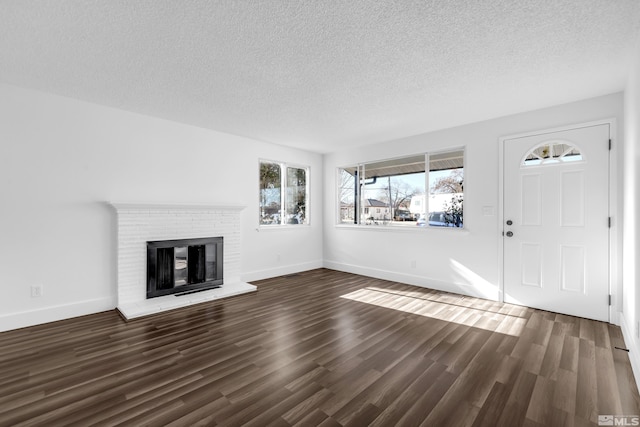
[283, 213]
[361, 167]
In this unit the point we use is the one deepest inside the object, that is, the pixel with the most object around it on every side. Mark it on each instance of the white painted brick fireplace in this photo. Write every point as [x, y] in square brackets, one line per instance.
[140, 223]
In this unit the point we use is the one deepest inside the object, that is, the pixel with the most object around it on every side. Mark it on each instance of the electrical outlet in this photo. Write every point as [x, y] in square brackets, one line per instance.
[413, 263]
[36, 291]
[278, 257]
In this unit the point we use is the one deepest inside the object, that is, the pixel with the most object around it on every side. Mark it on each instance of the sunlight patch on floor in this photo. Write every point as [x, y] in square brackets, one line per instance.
[504, 319]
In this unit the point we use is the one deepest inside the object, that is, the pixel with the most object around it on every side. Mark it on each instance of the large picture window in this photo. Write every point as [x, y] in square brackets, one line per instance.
[424, 190]
[284, 194]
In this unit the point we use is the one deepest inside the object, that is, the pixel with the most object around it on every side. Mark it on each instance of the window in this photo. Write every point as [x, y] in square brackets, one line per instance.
[446, 184]
[552, 153]
[284, 194]
[424, 190]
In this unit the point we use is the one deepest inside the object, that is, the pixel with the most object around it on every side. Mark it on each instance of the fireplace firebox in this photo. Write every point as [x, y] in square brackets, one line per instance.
[183, 266]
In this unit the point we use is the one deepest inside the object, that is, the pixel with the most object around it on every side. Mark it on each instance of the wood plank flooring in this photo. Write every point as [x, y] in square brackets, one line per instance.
[320, 348]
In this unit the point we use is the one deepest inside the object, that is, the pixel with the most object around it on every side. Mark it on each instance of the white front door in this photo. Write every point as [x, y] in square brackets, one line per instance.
[556, 221]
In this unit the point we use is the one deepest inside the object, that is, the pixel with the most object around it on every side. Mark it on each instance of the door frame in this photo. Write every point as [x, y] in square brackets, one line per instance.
[615, 238]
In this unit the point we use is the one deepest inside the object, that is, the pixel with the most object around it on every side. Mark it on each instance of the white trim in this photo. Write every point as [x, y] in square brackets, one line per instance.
[614, 316]
[610, 121]
[615, 232]
[500, 217]
[630, 342]
[280, 271]
[409, 279]
[39, 316]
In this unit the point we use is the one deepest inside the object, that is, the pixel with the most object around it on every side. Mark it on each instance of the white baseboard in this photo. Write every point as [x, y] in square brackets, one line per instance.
[24, 319]
[280, 271]
[412, 279]
[28, 318]
[632, 345]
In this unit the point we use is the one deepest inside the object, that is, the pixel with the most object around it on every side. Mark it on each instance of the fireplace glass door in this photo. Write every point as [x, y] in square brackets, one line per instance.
[176, 266]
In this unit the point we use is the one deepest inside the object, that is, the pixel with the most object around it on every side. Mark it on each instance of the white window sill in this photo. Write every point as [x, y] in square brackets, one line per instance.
[285, 227]
[400, 229]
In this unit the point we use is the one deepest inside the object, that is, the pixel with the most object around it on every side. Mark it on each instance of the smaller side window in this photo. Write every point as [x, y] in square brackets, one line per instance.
[446, 175]
[284, 194]
[296, 196]
[270, 193]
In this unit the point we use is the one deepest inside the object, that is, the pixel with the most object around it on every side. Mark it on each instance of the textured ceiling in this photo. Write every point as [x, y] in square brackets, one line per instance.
[320, 74]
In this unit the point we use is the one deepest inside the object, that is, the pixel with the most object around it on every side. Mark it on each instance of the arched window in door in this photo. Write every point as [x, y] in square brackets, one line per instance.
[552, 152]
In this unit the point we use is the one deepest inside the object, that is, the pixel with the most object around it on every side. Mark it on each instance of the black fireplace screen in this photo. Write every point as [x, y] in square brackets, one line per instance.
[183, 266]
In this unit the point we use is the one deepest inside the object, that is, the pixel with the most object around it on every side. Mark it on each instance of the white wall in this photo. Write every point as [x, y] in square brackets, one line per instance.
[631, 239]
[453, 260]
[62, 159]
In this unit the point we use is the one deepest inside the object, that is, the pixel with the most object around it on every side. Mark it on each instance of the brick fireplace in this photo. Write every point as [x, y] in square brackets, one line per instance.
[138, 224]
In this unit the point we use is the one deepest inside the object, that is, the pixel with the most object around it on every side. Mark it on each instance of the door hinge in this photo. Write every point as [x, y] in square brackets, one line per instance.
[610, 144]
[609, 222]
[609, 299]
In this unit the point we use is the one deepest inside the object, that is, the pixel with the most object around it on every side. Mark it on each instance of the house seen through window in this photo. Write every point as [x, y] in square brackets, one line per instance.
[424, 190]
[284, 194]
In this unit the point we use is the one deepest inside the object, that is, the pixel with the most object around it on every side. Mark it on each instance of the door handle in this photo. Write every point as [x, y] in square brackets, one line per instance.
[509, 233]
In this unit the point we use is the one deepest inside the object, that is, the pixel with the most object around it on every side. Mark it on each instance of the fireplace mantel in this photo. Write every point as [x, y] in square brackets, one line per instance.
[118, 206]
[138, 223]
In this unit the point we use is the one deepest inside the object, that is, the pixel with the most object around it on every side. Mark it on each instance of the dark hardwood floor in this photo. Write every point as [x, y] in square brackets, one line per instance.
[320, 348]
